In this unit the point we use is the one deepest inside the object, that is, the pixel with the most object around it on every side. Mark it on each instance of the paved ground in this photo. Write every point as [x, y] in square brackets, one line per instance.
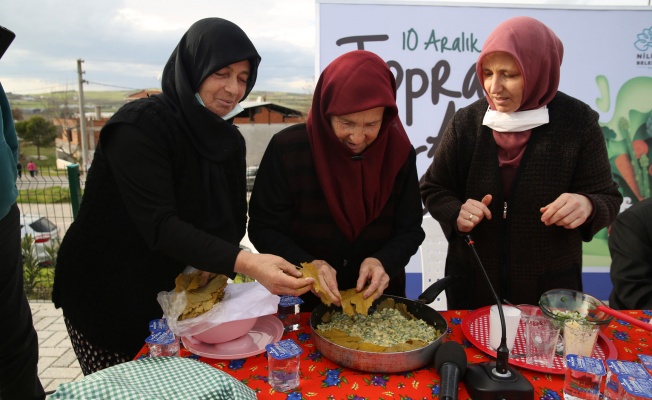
[57, 361]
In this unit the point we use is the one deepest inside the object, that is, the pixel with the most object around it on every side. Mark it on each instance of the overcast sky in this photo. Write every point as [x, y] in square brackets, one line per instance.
[125, 43]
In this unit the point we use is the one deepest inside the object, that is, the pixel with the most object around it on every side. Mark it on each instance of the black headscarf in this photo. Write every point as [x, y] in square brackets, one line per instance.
[209, 45]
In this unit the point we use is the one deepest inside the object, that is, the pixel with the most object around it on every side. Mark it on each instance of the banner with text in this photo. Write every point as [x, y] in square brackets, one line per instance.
[432, 50]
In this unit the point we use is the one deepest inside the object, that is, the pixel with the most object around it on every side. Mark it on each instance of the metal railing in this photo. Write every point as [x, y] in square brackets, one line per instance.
[54, 195]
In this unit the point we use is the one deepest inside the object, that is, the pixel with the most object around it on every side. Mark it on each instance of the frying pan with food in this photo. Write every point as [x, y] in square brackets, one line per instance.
[387, 362]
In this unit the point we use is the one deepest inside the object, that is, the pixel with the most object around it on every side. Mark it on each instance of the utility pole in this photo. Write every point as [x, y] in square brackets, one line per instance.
[82, 115]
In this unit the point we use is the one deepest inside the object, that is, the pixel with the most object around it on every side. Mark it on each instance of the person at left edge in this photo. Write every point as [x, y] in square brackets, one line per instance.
[341, 191]
[19, 352]
[166, 190]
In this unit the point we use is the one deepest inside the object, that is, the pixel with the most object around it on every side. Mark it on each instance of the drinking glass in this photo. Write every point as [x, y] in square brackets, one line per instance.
[579, 337]
[541, 335]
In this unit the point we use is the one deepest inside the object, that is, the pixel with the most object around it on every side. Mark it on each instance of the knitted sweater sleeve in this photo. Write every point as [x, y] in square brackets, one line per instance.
[443, 183]
[593, 178]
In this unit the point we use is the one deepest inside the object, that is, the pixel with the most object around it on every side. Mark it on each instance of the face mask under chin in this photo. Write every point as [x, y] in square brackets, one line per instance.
[236, 110]
[517, 121]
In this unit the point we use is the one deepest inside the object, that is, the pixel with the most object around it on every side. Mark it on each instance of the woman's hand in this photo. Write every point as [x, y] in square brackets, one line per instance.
[372, 271]
[472, 212]
[569, 210]
[328, 280]
[204, 277]
[275, 273]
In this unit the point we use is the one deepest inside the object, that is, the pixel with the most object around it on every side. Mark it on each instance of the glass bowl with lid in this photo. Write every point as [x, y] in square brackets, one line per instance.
[562, 304]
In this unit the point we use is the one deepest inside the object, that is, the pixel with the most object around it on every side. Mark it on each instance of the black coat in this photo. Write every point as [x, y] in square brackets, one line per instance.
[128, 243]
[630, 245]
[289, 217]
[523, 257]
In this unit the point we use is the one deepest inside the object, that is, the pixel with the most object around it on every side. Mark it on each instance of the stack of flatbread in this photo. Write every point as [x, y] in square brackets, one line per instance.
[199, 298]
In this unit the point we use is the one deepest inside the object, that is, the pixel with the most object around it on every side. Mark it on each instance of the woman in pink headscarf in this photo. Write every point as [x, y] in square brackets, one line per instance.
[341, 191]
[524, 171]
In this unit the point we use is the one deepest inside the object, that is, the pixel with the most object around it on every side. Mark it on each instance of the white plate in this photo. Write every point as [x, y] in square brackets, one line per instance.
[268, 329]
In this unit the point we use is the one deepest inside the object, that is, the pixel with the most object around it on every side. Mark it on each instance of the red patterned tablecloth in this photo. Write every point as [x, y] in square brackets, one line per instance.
[323, 379]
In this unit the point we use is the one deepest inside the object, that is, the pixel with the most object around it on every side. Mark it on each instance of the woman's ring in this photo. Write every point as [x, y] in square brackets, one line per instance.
[470, 218]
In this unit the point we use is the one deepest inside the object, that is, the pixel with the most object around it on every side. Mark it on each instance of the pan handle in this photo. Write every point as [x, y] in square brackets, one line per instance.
[431, 293]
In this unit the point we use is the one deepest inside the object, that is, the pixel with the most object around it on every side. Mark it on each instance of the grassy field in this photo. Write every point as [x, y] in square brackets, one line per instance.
[46, 168]
[49, 195]
[110, 100]
[47, 160]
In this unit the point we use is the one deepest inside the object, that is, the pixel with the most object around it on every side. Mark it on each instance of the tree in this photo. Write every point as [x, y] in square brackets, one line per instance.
[38, 131]
[17, 114]
[21, 128]
[58, 109]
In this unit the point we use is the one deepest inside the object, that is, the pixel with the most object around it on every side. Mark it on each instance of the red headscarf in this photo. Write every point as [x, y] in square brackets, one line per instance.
[538, 53]
[356, 188]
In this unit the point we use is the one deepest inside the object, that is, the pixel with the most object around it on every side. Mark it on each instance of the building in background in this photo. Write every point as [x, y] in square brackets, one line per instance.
[258, 122]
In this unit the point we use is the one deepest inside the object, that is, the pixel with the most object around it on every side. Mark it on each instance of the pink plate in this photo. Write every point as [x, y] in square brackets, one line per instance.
[475, 327]
[268, 329]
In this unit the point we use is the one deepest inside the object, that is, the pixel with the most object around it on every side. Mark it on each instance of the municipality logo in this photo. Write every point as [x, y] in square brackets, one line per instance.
[644, 40]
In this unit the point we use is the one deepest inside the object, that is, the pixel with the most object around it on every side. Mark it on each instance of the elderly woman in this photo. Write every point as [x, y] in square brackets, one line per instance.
[341, 191]
[524, 171]
[166, 190]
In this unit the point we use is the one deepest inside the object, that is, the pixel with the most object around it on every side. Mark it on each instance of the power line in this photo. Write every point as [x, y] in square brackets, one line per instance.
[115, 86]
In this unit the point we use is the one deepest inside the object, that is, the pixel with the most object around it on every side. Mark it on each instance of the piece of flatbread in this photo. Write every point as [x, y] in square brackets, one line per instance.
[354, 303]
[310, 271]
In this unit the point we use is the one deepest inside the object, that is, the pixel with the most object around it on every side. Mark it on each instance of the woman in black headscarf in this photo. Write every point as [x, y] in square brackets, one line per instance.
[166, 190]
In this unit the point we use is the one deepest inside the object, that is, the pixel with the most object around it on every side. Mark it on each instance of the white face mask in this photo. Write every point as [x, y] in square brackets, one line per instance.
[516, 121]
[236, 110]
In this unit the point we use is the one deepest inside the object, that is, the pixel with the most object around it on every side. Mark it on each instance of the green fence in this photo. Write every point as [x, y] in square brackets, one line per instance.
[48, 203]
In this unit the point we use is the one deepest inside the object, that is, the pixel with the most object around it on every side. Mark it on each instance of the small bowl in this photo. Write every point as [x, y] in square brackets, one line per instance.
[556, 301]
[227, 331]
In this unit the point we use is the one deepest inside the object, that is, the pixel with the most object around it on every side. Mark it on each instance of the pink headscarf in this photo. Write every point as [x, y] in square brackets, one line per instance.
[538, 53]
[356, 187]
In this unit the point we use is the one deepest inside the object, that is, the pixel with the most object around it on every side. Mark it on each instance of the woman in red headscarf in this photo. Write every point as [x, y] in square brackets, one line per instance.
[341, 191]
[524, 170]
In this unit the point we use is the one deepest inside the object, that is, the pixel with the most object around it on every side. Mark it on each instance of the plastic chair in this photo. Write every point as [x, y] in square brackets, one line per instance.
[433, 259]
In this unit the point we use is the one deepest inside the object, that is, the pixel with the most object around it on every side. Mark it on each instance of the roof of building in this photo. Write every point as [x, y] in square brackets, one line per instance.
[143, 93]
[288, 112]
